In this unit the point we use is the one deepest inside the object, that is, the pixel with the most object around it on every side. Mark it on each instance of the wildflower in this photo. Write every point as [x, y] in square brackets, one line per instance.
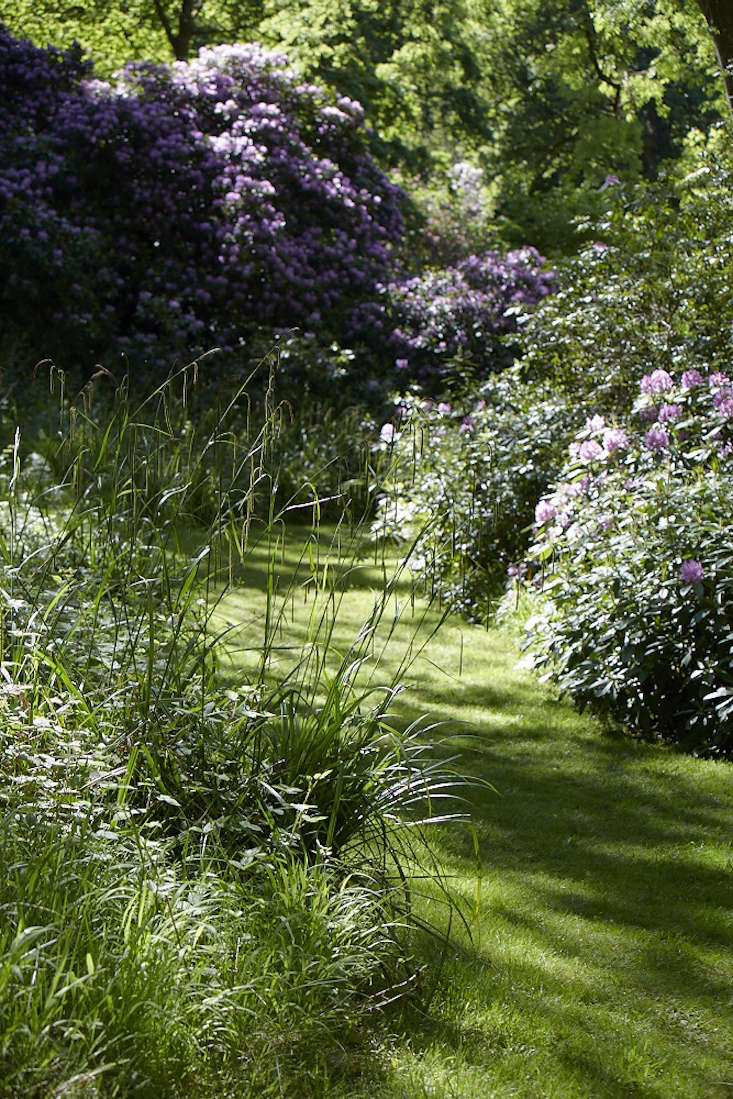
[544, 511]
[388, 434]
[615, 438]
[691, 378]
[657, 382]
[656, 438]
[691, 571]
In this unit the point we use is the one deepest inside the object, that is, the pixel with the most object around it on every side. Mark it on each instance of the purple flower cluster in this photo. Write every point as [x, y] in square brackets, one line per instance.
[691, 571]
[462, 312]
[181, 205]
[598, 470]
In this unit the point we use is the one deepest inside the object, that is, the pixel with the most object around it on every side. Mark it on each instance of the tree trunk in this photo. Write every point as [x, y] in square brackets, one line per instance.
[719, 16]
[179, 40]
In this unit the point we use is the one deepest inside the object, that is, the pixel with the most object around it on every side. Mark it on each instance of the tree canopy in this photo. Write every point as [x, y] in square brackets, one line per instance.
[548, 99]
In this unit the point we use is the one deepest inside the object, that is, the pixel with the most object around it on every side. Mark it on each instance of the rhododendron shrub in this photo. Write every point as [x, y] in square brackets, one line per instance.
[181, 205]
[651, 294]
[634, 543]
[464, 480]
[454, 322]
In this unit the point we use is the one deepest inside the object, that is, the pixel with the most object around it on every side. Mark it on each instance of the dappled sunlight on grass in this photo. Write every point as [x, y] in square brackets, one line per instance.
[600, 961]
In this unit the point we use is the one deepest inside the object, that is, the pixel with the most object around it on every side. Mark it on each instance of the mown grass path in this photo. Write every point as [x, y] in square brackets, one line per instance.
[601, 959]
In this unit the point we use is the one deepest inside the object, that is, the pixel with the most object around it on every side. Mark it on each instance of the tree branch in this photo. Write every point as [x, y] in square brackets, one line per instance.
[592, 40]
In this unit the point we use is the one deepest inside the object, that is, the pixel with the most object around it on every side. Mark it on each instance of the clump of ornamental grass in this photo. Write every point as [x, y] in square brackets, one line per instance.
[234, 859]
[633, 552]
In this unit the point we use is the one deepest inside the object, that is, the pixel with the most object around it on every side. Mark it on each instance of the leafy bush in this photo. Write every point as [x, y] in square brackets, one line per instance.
[464, 487]
[180, 206]
[651, 292]
[635, 543]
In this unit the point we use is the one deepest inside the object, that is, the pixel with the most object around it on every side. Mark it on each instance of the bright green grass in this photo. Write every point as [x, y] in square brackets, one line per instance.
[601, 962]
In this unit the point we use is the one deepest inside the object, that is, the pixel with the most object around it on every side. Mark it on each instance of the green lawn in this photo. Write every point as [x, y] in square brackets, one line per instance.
[601, 961]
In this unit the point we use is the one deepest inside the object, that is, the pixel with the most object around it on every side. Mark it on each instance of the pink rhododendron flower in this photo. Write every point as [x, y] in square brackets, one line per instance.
[595, 423]
[615, 438]
[589, 450]
[388, 434]
[544, 511]
[669, 413]
[659, 381]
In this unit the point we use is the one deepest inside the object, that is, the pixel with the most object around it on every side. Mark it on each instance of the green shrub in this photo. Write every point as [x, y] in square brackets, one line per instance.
[651, 292]
[463, 486]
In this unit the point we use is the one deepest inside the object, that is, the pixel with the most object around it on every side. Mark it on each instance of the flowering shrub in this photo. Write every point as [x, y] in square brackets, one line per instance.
[635, 542]
[464, 484]
[172, 210]
[651, 294]
[455, 320]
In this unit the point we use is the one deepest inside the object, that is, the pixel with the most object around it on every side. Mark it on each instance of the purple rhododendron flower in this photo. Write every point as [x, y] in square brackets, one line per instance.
[725, 407]
[466, 425]
[659, 381]
[444, 408]
[669, 413]
[691, 378]
[691, 571]
[544, 511]
[717, 380]
[649, 413]
[589, 450]
[656, 438]
[615, 438]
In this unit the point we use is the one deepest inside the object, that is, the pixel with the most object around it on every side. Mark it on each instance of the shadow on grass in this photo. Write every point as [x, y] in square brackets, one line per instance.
[607, 908]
